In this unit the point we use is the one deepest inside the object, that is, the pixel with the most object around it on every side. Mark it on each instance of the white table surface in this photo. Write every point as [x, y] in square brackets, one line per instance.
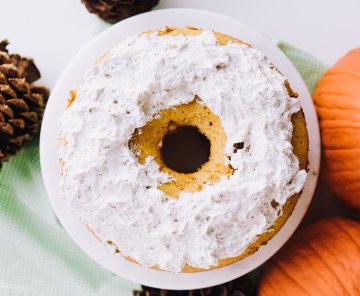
[53, 31]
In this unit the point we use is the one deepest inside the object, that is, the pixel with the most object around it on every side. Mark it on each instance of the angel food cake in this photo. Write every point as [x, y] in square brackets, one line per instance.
[183, 149]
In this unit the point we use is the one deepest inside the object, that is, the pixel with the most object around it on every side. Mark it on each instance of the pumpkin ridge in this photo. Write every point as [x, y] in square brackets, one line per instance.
[339, 121]
[343, 149]
[295, 250]
[343, 229]
[347, 194]
[338, 189]
[329, 127]
[346, 166]
[342, 121]
[324, 99]
[343, 171]
[318, 93]
[322, 92]
[335, 147]
[354, 91]
[347, 161]
[326, 264]
[343, 180]
[338, 109]
[343, 76]
[341, 73]
[305, 243]
[290, 277]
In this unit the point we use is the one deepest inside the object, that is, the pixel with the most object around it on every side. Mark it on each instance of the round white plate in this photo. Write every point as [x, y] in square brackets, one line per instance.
[49, 146]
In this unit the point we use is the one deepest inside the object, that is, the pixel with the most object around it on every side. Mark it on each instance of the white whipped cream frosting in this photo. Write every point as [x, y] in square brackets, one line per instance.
[104, 183]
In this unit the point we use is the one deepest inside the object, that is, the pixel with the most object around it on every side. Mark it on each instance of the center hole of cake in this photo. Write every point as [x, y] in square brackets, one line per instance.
[185, 149]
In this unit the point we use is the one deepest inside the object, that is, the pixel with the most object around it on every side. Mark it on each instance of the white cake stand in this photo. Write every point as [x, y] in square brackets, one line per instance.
[49, 146]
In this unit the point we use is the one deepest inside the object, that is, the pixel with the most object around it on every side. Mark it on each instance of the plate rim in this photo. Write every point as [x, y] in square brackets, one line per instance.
[131, 271]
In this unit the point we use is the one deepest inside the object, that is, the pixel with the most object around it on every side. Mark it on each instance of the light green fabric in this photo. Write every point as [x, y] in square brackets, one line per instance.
[37, 257]
[310, 68]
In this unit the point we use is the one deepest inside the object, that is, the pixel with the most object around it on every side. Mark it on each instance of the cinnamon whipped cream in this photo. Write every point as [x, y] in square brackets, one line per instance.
[115, 195]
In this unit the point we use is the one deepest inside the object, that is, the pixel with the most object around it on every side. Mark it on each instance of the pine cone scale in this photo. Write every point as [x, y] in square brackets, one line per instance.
[21, 103]
[31, 116]
[3, 44]
[19, 85]
[114, 11]
[2, 99]
[18, 141]
[41, 90]
[17, 123]
[6, 129]
[28, 70]
[9, 70]
[6, 110]
[36, 100]
[4, 58]
[3, 79]
[6, 90]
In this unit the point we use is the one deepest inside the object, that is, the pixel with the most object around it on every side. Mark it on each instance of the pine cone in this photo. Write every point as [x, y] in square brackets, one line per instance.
[21, 103]
[242, 286]
[114, 11]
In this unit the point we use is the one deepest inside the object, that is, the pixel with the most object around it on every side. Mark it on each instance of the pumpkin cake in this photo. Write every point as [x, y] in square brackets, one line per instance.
[183, 149]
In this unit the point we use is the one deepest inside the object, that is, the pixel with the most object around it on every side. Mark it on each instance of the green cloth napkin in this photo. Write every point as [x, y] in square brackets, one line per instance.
[37, 257]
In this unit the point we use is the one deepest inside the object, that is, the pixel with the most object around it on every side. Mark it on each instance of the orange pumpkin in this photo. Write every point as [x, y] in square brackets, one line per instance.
[337, 101]
[323, 259]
